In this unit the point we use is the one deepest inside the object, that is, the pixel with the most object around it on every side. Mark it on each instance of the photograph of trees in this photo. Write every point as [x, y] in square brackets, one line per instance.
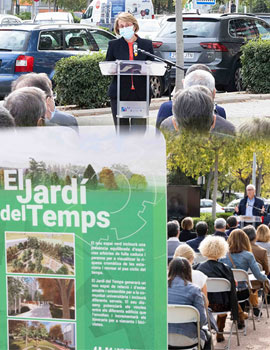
[36, 335]
[41, 297]
[39, 253]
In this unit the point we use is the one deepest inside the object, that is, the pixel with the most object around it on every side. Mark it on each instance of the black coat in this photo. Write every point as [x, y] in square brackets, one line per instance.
[118, 50]
[212, 268]
[258, 204]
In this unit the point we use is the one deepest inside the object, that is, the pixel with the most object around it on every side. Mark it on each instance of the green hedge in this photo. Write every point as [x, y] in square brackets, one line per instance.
[208, 218]
[78, 81]
[255, 66]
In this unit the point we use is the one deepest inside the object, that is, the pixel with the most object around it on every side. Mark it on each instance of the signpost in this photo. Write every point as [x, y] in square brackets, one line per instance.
[82, 240]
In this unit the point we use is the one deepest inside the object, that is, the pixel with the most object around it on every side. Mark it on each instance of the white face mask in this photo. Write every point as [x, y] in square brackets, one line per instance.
[127, 32]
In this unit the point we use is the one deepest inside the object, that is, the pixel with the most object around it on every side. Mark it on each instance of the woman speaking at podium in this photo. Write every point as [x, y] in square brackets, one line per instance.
[133, 87]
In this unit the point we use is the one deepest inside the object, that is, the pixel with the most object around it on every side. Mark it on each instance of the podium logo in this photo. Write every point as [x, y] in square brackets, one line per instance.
[124, 109]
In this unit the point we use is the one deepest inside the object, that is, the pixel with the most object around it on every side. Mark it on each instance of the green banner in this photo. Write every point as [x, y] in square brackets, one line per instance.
[83, 240]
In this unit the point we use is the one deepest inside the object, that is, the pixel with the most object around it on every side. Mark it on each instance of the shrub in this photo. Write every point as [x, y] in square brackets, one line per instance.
[78, 81]
[255, 66]
[25, 309]
[24, 16]
[208, 218]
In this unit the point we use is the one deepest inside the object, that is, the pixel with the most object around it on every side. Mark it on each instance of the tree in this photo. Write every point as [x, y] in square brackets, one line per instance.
[61, 291]
[138, 182]
[67, 180]
[91, 175]
[106, 176]
[56, 333]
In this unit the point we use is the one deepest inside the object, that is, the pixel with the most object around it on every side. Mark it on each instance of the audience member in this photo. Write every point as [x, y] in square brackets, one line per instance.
[201, 230]
[6, 119]
[198, 278]
[182, 291]
[165, 109]
[232, 224]
[205, 79]
[240, 256]
[250, 205]
[187, 227]
[263, 237]
[27, 106]
[214, 248]
[192, 111]
[41, 81]
[259, 253]
[220, 228]
[173, 231]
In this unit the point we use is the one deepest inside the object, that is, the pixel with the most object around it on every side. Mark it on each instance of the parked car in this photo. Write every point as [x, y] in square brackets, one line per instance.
[148, 28]
[264, 16]
[53, 17]
[37, 48]
[230, 207]
[214, 40]
[7, 20]
[207, 204]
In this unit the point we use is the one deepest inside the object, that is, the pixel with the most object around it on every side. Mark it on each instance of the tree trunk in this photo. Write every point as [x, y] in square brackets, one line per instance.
[215, 186]
[65, 295]
[209, 180]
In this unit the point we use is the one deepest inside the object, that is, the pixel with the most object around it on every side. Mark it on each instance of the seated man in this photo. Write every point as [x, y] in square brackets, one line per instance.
[220, 228]
[27, 106]
[165, 109]
[173, 231]
[201, 230]
[41, 81]
[6, 119]
[232, 224]
[204, 79]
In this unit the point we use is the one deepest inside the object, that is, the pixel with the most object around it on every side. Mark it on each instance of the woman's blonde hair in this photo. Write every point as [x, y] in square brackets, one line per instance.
[126, 17]
[187, 223]
[263, 233]
[238, 241]
[214, 247]
[184, 251]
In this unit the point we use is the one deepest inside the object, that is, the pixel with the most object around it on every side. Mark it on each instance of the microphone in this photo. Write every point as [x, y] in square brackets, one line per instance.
[135, 48]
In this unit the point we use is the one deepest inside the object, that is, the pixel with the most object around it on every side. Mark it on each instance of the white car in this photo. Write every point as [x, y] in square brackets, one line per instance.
[207, 204]
[148, 28]
[9, 20]
[53, 17]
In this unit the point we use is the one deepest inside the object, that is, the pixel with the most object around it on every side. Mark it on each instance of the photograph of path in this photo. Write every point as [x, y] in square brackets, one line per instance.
[31, 297]
[40, 253]
[36, 335]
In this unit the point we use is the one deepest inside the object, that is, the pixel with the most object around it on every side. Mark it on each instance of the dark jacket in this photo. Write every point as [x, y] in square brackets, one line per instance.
[186, 235]
[118, 50]
[220, 234]
[194, 243]
[258, 204]
[212, 268]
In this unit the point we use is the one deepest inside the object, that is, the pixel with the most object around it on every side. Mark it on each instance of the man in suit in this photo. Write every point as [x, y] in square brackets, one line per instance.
[201, 230]
[173, 231]
[220, 228]
[42, 81]
[250, 205]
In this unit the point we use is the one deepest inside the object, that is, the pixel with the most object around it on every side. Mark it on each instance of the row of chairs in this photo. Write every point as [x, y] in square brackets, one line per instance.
[186, 313]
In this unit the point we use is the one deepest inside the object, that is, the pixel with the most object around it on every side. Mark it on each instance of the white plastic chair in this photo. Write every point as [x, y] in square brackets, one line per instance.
[242, 276]
[219, 285]
[185, 314]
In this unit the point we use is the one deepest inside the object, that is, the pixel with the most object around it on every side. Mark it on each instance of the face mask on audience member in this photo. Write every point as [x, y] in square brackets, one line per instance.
[127, 32]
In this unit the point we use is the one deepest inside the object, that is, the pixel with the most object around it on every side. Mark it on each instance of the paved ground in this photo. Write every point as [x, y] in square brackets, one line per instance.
[239, 108]
[254, 340]
[42, 311]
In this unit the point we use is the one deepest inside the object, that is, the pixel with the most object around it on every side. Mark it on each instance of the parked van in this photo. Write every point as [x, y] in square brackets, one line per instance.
[103, 12]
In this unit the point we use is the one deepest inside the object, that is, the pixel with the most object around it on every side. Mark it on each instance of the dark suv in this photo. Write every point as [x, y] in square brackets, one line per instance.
[214, 40]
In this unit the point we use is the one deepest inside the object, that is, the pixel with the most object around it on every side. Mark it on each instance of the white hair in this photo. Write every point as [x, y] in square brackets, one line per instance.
[250, 186]
[200, 77]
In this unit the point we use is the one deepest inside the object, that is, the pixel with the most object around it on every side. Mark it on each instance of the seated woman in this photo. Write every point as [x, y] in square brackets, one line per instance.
[240, 257]
[186, 234]
[198, 278]
[214, 248]
[182, 292]
[263, 237]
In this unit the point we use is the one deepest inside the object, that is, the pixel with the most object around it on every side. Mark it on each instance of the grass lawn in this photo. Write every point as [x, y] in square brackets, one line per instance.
[31, 345]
